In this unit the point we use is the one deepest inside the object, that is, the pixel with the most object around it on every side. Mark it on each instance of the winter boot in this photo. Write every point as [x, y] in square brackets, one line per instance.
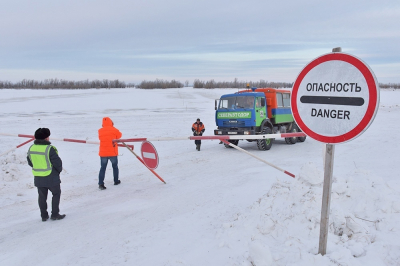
[58, 217]
[197, 147]
[44, 219]
[102, 187]
[117, 183]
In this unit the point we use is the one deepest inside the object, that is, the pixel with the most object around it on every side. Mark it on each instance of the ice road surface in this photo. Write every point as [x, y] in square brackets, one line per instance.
[219, 206]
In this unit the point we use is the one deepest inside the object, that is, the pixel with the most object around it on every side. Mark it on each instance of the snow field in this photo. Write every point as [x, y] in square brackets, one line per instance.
[219, 206]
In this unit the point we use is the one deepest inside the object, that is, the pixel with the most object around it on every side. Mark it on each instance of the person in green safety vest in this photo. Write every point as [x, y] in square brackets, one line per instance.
[46, 168]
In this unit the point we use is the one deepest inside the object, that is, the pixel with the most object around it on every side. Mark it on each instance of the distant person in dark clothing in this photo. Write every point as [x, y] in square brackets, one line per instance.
[198, 130]
[46, 168]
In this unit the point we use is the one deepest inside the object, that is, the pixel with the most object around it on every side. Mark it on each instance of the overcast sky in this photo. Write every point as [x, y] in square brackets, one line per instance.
[184, 40]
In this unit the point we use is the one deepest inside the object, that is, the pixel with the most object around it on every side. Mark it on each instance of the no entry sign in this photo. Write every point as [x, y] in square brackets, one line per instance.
[149, 155]
[335, 98]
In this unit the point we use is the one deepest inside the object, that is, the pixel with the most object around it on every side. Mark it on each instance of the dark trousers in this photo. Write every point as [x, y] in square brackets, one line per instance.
[197, 141]
[103, 167]
[55, 201]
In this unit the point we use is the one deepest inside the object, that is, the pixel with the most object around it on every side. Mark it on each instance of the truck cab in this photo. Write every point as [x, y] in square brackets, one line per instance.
[240, 113]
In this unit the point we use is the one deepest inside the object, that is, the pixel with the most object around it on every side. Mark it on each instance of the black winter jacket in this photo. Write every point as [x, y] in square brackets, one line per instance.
[53, 179]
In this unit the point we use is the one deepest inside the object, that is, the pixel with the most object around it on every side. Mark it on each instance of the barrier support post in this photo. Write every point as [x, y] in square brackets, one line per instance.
[22, 144]
[140, 159]
[258, 158]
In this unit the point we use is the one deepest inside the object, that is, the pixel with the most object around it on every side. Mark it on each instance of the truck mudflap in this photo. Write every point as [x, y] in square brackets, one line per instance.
[234, 131]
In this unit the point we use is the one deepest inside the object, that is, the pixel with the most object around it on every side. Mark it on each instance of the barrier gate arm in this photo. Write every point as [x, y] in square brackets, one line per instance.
[64, 139]
[224, 138]
[266, 136]
[258, 158]
[22, 144]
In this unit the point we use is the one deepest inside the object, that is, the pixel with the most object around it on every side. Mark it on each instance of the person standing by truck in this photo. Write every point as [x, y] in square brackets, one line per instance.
[198, 130]
[108, 150]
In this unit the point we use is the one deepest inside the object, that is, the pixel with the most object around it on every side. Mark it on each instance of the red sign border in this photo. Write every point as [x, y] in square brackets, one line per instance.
[372, 105]
[141, 152]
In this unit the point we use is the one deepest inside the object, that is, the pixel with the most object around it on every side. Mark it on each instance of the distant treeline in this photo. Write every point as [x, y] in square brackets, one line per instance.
[159, 84]
[389, 86]
[212, 84]
[156, 84]
[62, 84]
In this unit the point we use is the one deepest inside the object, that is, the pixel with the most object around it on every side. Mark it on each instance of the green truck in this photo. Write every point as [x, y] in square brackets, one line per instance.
[256, 111]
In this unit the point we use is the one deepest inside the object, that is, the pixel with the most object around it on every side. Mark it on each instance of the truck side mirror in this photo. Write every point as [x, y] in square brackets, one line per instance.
[262, 102]
[216, 104]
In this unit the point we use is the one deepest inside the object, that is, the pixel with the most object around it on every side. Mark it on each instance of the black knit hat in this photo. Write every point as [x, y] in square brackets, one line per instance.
[42, 133]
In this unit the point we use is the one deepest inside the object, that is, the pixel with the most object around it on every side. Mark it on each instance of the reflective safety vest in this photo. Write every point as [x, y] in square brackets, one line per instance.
[40, 158]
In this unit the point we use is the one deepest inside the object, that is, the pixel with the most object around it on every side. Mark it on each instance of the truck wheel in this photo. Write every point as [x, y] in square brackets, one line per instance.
[292, 140]
[301, 139]
[234, 142]
[265, 144]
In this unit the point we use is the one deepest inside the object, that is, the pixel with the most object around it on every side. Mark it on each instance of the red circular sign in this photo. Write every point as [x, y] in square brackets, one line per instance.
[149, 155]
[335, 98]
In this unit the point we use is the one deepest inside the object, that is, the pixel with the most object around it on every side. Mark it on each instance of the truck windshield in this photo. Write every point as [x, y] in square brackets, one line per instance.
[246, 102]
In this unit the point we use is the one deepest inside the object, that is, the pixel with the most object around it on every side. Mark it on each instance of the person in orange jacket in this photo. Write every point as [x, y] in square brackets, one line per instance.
[108, 150]
[198, 130]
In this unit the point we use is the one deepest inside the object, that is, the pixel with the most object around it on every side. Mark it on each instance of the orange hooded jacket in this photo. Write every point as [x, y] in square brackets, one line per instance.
[106, 134]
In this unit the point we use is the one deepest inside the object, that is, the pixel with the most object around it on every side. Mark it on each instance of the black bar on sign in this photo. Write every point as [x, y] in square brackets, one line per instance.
[353, 101]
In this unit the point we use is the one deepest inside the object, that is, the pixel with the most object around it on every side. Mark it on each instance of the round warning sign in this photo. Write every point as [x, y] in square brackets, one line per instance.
[149, 155]
[335, 98]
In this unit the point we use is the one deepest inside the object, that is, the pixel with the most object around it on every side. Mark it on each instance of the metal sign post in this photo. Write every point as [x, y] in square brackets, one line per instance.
[326, 198]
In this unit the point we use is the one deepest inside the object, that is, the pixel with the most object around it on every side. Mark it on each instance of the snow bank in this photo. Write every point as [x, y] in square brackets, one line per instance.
[284, 224]
[14, 178]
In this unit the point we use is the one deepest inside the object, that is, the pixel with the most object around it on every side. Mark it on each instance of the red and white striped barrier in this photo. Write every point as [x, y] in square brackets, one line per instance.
[65, 139]
[258, 158]
[130, 147]
[266, 136]
[224, 139]
[22, 144]
[68, 140]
